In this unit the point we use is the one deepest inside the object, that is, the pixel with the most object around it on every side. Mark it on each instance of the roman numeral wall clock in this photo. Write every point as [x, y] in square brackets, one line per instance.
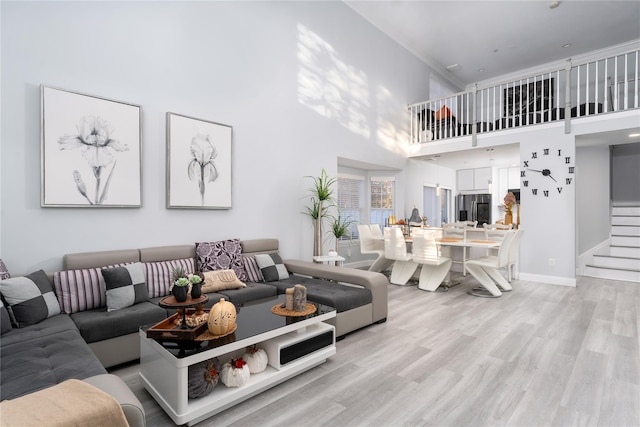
[547, 173]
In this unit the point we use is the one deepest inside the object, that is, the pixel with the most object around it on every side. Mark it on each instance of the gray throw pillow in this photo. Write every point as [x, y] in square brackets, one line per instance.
[30, 298]
[272, 267]
[125, 286]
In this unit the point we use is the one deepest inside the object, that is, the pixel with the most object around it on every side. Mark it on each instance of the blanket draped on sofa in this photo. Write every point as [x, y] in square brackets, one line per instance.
[70, 403]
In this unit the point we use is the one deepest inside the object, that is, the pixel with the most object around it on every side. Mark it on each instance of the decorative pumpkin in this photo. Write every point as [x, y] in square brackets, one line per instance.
[256, 359]
[203, 377]
[222, 317]
[235, 373]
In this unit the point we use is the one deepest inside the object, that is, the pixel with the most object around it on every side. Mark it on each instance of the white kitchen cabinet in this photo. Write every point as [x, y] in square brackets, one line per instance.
[465, 179]
[514, 177]
[482, 177]
[474, 179]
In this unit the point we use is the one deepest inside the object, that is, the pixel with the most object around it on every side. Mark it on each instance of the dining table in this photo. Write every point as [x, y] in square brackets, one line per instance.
[449, 242]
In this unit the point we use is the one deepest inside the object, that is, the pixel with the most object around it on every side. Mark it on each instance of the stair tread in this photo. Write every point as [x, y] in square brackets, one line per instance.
[618, 256]
[635, 270]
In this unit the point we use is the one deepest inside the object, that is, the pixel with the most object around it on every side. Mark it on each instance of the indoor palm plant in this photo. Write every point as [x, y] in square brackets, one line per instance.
[321, 202]
[341, 227]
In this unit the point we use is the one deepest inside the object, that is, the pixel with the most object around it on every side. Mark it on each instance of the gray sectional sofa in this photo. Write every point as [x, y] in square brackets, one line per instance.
[83, 344]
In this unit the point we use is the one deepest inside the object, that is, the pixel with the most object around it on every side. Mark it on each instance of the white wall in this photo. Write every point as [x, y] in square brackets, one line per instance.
[592, 196]
[300, 82]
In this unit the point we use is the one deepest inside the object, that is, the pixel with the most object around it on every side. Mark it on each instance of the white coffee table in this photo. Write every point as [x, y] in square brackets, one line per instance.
[293, 345]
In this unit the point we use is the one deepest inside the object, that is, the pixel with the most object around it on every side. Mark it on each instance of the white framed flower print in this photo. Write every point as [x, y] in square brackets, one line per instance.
[90, 151]
[198, 163]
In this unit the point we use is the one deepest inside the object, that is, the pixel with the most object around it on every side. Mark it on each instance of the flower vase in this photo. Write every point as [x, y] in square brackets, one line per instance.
[196, 290]
[508, 217]
[180, 293]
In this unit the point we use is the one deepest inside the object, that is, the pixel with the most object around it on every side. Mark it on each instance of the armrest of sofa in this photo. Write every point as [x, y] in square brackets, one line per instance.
[377, 283]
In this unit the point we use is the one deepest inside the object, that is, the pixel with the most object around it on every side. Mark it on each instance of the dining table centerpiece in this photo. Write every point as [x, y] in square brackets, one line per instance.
[509, 200]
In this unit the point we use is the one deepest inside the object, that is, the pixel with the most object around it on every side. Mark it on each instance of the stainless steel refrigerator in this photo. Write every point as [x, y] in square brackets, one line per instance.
[474, 207]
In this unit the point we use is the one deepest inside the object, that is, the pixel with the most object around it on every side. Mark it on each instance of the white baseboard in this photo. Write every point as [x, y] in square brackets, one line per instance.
[551, 280]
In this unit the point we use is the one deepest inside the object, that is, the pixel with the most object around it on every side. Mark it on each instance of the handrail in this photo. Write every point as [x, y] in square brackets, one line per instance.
[581, 89]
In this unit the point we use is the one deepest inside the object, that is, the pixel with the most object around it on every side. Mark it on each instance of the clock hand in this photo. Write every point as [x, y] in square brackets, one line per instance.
[544, 172]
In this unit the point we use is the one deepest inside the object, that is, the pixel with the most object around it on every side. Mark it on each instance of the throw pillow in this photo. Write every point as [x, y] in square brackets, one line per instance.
[5, 320]
[442, 113]
[251, 268]
[272, 267]
[220, 280]
[4, 273]
[30, 298]
[125, 286]
[220, 255]
[80, 290]
[159, 275]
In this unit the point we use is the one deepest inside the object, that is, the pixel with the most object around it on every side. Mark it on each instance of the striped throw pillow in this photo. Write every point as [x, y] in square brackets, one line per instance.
[159, 275]
[80, 290]
[251, 268]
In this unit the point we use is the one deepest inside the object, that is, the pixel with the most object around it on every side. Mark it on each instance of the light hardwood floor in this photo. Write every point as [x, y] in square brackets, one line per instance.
[541, 355]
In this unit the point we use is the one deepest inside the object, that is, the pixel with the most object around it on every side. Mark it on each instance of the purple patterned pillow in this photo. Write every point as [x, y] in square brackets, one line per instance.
[221, 255]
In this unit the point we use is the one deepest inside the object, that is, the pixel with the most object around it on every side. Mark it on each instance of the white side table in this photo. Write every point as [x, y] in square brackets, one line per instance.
[330, 260]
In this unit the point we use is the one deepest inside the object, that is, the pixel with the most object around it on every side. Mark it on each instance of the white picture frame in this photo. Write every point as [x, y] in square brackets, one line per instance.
[90, 151]
[199, 159]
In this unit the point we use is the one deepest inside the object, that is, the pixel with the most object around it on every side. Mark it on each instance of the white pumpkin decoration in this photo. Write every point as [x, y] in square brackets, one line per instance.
[235, 373]
[256, 359]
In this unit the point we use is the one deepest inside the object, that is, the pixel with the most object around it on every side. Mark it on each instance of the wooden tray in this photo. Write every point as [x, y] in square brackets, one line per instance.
[169, 330]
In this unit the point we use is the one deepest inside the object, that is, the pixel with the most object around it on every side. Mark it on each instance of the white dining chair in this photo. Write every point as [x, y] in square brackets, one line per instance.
[514, 253]
[372, 242]
[434, 268]
[495, 232]
[486, 269]
[457, 230]
[395, 248]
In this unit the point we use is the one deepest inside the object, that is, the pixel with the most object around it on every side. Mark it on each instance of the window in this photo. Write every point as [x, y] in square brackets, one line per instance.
[350, 200]
[382, 189]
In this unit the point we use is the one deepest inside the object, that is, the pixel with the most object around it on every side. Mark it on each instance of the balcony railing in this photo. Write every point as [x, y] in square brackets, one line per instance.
[579, 90]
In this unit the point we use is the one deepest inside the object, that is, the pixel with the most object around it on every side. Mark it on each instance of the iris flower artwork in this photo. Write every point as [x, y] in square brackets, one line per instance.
[202, 149]
[94, 140]
[91, 151]
[201, 168]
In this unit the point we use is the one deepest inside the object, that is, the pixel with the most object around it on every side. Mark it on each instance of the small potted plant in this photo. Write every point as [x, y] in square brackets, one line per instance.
[180, 287]
[196, 286]
[340, 228]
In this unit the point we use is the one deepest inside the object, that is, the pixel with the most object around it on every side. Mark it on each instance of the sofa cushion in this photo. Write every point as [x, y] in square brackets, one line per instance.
[251, 268]
[252, 292]
[272, 267]
[100, 324]
[215, 281]
[159, 275]
[5, 320]
[41, 362]
[220, 255]
[52, 325]
[79, 290]
[125, 286]
[341, 297]
[30, 298]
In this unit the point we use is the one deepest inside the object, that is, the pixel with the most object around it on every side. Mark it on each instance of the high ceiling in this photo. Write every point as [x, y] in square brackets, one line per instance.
[501, 37]
[489, 39]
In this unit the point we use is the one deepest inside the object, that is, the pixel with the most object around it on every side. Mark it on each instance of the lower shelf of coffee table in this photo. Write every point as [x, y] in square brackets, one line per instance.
[166, 377]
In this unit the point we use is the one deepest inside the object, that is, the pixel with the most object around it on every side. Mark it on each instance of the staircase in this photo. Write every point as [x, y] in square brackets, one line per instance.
[621, 260]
